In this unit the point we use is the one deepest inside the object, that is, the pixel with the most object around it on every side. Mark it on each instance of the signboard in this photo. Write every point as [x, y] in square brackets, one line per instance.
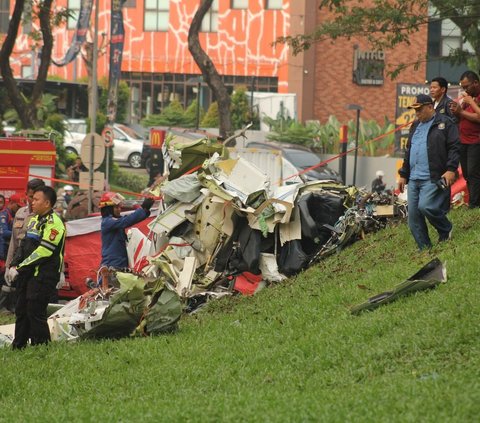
[98, 181]
[107, 135]
[157, 137]
[98, 150]
[368, 67]
[406, 94]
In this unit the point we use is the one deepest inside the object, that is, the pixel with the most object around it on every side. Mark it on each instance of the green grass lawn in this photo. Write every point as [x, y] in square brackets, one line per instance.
[292, 353]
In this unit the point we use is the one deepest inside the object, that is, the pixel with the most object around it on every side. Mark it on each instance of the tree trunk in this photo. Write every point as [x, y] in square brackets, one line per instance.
[209, 72]
[8, 79]
[27, 111]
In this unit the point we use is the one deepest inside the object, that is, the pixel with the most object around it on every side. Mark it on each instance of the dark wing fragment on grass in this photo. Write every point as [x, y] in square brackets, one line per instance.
[429, 276]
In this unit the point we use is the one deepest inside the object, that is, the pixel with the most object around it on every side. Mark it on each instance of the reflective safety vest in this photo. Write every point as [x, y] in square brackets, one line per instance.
[41, 251]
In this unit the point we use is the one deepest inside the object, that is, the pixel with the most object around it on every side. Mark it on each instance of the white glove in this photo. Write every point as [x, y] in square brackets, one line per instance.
[10, 275]
[61, 281]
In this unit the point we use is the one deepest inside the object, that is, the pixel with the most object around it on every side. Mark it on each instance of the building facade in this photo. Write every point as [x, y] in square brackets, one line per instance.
[239, 37]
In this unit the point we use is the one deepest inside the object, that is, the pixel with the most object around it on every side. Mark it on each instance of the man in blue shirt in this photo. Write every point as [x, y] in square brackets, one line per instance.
[114, 239]
[431, 160]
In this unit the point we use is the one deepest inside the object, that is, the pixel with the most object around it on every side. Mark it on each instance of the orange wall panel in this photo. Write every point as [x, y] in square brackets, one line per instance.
[242, 45]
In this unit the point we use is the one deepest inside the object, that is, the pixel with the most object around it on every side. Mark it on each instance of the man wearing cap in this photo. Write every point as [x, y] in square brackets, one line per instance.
[6, 222]
[431, 160]
[469, 136]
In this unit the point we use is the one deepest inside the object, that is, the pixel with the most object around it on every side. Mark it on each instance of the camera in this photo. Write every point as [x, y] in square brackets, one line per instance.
[442, 183]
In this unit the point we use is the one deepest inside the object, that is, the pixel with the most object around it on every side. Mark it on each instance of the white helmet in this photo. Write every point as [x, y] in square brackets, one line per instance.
[380, 173]
[68, 188]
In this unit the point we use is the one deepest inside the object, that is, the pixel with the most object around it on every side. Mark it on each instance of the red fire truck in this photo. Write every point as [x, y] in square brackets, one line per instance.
[22, 158]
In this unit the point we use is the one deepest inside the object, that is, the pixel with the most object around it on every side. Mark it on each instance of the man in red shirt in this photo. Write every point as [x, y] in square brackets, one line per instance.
[469, 126]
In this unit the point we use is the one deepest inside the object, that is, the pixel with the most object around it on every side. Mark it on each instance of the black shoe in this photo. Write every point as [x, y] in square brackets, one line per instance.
[447, 237]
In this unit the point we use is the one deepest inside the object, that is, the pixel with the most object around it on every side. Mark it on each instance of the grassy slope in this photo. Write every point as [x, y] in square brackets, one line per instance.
[291, 353]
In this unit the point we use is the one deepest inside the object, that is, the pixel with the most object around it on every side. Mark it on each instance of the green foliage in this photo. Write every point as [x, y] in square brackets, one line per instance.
[54, 122]
[130, 181]
[295, 132]
[386, 24]
[46, 106]
[291, 353]
[211, 119]
[240, 109]
[325, 137]
[99, 124]
[122, 99]
[172, 115]
[190, 115]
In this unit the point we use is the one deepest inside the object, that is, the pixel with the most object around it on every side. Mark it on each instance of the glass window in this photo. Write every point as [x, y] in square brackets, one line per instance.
[4, 15]
[239, 4]
[156, 16]
[450, 43]
[451, 37]
[210, 20]
[74, 9]
[273, 4]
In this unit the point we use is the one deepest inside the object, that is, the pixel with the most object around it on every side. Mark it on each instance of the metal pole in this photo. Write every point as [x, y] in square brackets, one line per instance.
[356, 148]
[197, 119]
[108, 165]
[93, 118]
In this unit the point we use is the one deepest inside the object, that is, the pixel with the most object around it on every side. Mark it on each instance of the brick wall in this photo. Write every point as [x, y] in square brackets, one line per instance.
[334, 87]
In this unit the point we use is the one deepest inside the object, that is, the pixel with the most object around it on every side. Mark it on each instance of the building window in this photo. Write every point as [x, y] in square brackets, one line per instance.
[74, 13]
[451, 37]
[274, 4]
[210, 20]
[156, 15]
[4, 15]
[239, 4]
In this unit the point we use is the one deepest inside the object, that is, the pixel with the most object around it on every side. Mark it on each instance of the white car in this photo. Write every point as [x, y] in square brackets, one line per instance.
[128, 145]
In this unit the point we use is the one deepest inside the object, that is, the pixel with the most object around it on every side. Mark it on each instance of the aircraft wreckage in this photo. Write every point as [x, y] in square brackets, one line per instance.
[221, 230]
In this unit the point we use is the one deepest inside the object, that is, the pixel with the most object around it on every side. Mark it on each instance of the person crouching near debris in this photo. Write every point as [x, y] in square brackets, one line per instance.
[431, 160]
[114, 239]
[36, 268]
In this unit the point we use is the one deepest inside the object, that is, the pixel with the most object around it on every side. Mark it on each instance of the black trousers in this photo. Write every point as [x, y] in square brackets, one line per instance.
[31, 324]
[470, 161]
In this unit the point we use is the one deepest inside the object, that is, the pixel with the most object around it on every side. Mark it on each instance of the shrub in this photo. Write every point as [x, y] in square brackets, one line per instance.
[130, 181]
[211, 119]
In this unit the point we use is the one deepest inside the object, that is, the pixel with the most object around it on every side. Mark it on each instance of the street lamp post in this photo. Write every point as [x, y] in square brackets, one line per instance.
[358, 108]
[197, 80]
[197, 117]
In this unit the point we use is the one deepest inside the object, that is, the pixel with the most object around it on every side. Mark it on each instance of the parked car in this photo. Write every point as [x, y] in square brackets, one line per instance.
[128, 145]
[302, 158]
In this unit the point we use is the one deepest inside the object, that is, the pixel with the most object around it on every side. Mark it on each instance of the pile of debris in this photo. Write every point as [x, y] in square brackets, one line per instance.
[226, 229]
[222, 230]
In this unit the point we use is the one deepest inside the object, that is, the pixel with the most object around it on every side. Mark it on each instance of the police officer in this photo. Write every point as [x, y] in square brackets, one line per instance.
[114, 247]
[19, 229]
[6, 222]
[36, 268]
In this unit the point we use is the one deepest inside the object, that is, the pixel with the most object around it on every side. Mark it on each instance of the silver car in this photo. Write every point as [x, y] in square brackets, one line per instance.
[128, 145]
